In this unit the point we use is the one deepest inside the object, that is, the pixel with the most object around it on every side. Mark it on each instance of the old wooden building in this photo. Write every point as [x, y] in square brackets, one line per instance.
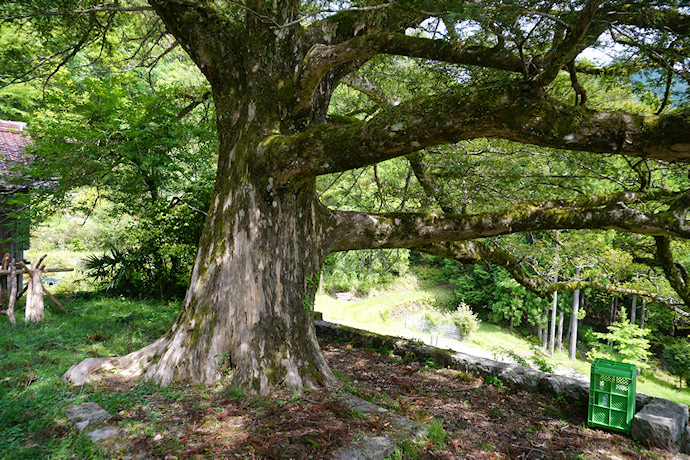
[14, 229]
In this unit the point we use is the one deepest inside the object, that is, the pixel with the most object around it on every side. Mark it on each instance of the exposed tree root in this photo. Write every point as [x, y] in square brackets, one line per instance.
[124, 368]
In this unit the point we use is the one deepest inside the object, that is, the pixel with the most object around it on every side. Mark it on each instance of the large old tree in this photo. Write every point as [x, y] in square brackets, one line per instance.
[273, 67]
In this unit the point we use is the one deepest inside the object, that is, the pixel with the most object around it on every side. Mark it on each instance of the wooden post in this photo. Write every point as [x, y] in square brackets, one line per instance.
[13, 293]
[3, 281]
[34, 311]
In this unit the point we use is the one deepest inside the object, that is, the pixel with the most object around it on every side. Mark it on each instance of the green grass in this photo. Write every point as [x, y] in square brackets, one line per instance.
[489, 336]
[34, 357]
[369, 313]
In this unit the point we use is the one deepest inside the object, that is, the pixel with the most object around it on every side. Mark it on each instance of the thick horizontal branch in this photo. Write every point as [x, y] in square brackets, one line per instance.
[676, 274]
[571, 45]
[357, 230]
[515, 113]
[192, 23]
[322, 58]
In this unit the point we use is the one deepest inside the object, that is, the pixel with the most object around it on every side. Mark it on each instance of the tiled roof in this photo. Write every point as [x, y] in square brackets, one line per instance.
[13, 141]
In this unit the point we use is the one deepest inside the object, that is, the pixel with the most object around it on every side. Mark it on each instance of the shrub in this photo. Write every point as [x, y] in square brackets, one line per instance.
[628, 343]
[464, 319]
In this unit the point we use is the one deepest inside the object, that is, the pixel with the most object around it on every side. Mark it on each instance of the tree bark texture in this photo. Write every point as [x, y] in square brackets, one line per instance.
[633, 310]
[12, 295]
[559, 338]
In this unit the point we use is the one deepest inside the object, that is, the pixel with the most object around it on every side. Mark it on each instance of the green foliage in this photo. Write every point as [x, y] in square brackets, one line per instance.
[430, 362]
[131, 144]
[130, 167]
[436, 433]
[628, 343]
[364, 271]
[677, 359]
[538, 361]
[493, 380]
[158, 259]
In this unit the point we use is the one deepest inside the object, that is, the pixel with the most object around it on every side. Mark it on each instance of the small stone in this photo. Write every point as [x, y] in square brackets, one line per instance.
[81, 425]
[102, 433]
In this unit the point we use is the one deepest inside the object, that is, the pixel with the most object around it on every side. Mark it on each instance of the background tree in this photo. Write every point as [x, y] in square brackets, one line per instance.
[677, 359]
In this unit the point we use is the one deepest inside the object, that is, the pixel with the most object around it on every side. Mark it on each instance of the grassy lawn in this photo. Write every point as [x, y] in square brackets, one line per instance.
[369, 313]
[34, 357]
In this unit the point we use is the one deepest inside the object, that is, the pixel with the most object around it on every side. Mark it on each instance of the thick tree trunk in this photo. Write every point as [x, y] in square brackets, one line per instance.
[248, 310]
[34, 309]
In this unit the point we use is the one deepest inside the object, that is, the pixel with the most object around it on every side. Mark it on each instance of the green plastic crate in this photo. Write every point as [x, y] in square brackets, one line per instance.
[612, 395]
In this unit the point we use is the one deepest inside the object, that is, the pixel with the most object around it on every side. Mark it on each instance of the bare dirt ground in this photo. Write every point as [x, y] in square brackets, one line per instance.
[480, 419]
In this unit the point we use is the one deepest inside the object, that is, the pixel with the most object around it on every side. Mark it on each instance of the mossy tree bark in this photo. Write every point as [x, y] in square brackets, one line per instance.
[267, 234]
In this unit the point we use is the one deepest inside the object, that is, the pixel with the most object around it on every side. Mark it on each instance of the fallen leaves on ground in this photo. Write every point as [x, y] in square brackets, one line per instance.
[479, 420]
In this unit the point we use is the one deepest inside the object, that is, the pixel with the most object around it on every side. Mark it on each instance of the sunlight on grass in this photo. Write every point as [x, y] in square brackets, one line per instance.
[369, 313]
[489, 336]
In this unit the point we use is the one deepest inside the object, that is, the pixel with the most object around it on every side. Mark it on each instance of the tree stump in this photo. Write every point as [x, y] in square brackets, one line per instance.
[34, 310]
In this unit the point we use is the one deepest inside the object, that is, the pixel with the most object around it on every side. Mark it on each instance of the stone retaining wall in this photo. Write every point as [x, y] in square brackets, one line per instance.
[658, 422]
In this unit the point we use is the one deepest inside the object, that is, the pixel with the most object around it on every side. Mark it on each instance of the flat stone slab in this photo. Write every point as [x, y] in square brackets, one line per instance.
[378, 447]
[90, 419]
[85, 414]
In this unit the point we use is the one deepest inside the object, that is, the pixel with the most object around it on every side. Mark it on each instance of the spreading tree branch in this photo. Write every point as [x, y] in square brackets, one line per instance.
[472, 252]
[513, 113]
[358, 230]
[675, 273]
[192, 23]
[104, 8]
[322, 58]
[429, 185]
